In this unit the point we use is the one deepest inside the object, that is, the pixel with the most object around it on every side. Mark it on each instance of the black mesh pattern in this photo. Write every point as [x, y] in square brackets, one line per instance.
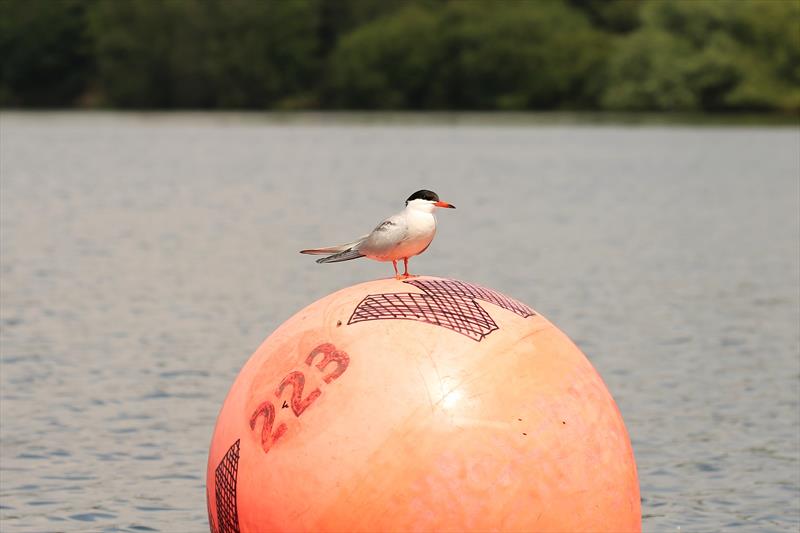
[225, 492]
[447, 303]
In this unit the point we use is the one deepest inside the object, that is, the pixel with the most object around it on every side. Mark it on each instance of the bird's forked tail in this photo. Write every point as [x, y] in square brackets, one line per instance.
[347, 255]
[343, 252]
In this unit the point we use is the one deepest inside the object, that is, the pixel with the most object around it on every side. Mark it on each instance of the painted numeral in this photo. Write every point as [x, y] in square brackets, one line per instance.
[331, 355]
[268, 438]
[299, 404]
[297, 380]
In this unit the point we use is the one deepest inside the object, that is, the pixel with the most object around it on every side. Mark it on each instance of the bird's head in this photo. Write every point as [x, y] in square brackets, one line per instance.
[427, 201]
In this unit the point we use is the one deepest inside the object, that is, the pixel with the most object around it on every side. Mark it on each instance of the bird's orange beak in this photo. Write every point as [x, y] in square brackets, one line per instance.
[444, 204]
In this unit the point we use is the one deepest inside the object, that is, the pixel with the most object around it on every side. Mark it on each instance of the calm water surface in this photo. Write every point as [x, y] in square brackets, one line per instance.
[145, 257]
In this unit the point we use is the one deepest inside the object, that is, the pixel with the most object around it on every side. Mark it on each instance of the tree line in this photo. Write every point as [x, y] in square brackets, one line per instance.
[655, 55]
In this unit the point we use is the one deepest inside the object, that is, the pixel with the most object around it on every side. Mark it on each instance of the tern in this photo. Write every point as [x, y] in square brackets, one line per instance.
[401, 236]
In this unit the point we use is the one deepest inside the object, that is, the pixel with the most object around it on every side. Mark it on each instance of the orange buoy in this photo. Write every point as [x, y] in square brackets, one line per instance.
[427, 404]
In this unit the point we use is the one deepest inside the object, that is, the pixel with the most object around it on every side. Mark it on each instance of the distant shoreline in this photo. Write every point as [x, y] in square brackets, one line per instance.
[489, 118]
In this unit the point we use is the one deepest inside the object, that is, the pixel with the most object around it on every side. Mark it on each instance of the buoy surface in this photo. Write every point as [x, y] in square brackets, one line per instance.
[426, 404]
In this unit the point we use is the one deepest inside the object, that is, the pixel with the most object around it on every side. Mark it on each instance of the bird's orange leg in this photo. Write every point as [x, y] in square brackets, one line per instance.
[406, 275]
[396, 273]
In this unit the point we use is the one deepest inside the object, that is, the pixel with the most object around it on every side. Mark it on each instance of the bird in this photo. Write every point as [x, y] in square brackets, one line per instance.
[401, 236]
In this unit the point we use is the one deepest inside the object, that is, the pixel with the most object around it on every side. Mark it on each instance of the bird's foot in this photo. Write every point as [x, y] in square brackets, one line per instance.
[406, 276]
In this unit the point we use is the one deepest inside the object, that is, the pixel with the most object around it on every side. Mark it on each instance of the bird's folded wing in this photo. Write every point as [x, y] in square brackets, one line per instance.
[334, 249]
[347, 255]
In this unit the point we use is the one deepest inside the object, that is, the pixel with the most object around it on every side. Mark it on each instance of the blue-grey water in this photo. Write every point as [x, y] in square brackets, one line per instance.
[145, 257]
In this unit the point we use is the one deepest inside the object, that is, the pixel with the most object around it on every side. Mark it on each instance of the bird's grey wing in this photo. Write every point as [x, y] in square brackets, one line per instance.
[386, 236]
[335, 249]
[386, 225]
[347, 255]
[396, 227]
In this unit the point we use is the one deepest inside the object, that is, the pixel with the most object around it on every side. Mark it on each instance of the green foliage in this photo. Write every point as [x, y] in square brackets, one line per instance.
[204, 53]
[44, 52]
[402, 54]
[470, 55]
[339, 17]
[386, 64]
[646, 72]
[617, 16]
[519, 55]
[709, 55]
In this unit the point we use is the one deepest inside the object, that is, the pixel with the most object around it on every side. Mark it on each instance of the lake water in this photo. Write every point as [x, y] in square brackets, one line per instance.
[145, 256]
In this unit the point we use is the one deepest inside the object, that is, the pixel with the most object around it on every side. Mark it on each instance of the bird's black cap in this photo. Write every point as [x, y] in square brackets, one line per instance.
[424, 195]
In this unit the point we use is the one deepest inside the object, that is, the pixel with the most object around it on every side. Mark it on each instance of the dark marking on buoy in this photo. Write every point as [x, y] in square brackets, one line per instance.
[564, 422]
[525, 434]
[447, 303]
[329, 355]
[225, 492]
[268, 437]
[297, 380]
[338, 323]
